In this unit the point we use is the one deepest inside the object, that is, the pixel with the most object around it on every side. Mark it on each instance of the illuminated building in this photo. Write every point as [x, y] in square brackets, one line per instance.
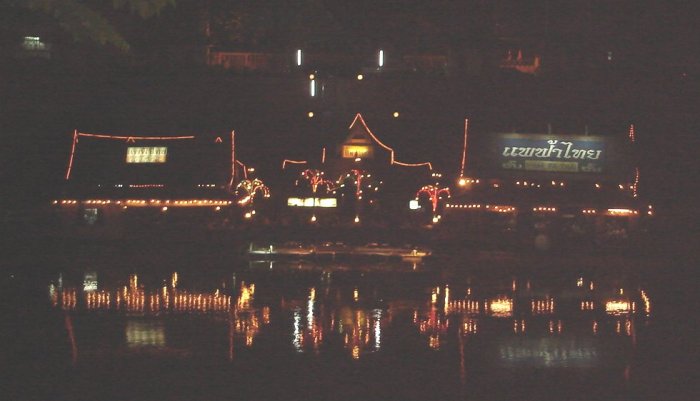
[360, 171]
[543, 188]
[153, 178]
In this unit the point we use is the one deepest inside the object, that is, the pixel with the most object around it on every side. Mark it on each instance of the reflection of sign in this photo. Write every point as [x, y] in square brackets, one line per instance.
[353, 151]
[312, 202]
[146, 154]
[547, 153]
[548, 352]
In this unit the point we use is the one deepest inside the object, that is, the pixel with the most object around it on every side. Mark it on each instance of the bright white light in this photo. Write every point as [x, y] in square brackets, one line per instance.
[360, 77]
[311, 114]
[312, 87]
[299, 57]
[357, 219]
[313, 218]
[396, 114]
[248, 215]
[165, 208]
[462, 182]
[413, 204]
[381, 58]
[435, 219]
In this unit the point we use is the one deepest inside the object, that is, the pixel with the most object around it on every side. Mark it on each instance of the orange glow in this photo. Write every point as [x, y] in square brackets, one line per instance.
[501, 307]
[622, 212]
[618, 307]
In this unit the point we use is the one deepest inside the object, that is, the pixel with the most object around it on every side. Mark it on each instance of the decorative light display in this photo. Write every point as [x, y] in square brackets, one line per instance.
[433, 193]
[539, 307]
[619, 307]
[146, 202]
[462, 181]
[392, 159]
[312, 202]
[316, 178]
[622, 212]
[501, 307]
[488, 208]
[287, 161]
[631, 135]
[636, 182]
[77, 134]
[359, 176]
[251, 188]
[544, 209]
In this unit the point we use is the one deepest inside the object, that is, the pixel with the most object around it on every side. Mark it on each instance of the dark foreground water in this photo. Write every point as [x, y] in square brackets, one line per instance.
[158, 323]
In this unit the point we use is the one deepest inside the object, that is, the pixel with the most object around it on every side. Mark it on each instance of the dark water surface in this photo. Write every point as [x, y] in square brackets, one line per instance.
[172, 324]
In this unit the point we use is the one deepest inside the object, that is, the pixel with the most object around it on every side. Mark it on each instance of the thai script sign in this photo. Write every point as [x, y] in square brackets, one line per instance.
[552, 154]
[146, 154]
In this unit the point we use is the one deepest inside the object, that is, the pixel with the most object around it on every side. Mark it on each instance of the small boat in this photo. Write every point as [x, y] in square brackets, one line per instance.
[410, 253]
[288, 248]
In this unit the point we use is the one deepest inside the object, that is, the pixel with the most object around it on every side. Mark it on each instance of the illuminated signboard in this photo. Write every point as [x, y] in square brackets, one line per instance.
[580, 154]
[312, 202]
[354, 151]
[146, 154]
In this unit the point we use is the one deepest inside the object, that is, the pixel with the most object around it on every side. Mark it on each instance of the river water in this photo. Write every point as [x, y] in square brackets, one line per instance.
[173, 324]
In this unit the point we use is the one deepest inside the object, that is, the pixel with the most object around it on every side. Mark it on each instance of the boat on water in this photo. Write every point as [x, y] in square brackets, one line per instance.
[334, 249]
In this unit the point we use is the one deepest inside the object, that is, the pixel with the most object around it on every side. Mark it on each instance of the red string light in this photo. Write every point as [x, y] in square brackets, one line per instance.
[359, 118]
[433, 193]
[135, 138]
[632, 136]
[285, 161]
[72, 154]
[464, 148]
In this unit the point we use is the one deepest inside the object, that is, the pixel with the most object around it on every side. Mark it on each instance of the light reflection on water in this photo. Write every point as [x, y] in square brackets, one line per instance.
[501, 322]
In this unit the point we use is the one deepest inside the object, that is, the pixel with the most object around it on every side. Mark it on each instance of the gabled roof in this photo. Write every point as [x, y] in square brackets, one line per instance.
[359, 131]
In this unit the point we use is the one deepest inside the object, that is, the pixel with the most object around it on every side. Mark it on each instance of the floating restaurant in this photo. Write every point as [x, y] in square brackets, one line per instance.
[119, 178]
[354, 177]
[548, 186]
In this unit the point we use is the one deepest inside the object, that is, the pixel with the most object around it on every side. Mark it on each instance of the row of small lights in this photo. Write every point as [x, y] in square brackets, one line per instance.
[151, 202]
[544, 209]
[160, 185]
[464, 181]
